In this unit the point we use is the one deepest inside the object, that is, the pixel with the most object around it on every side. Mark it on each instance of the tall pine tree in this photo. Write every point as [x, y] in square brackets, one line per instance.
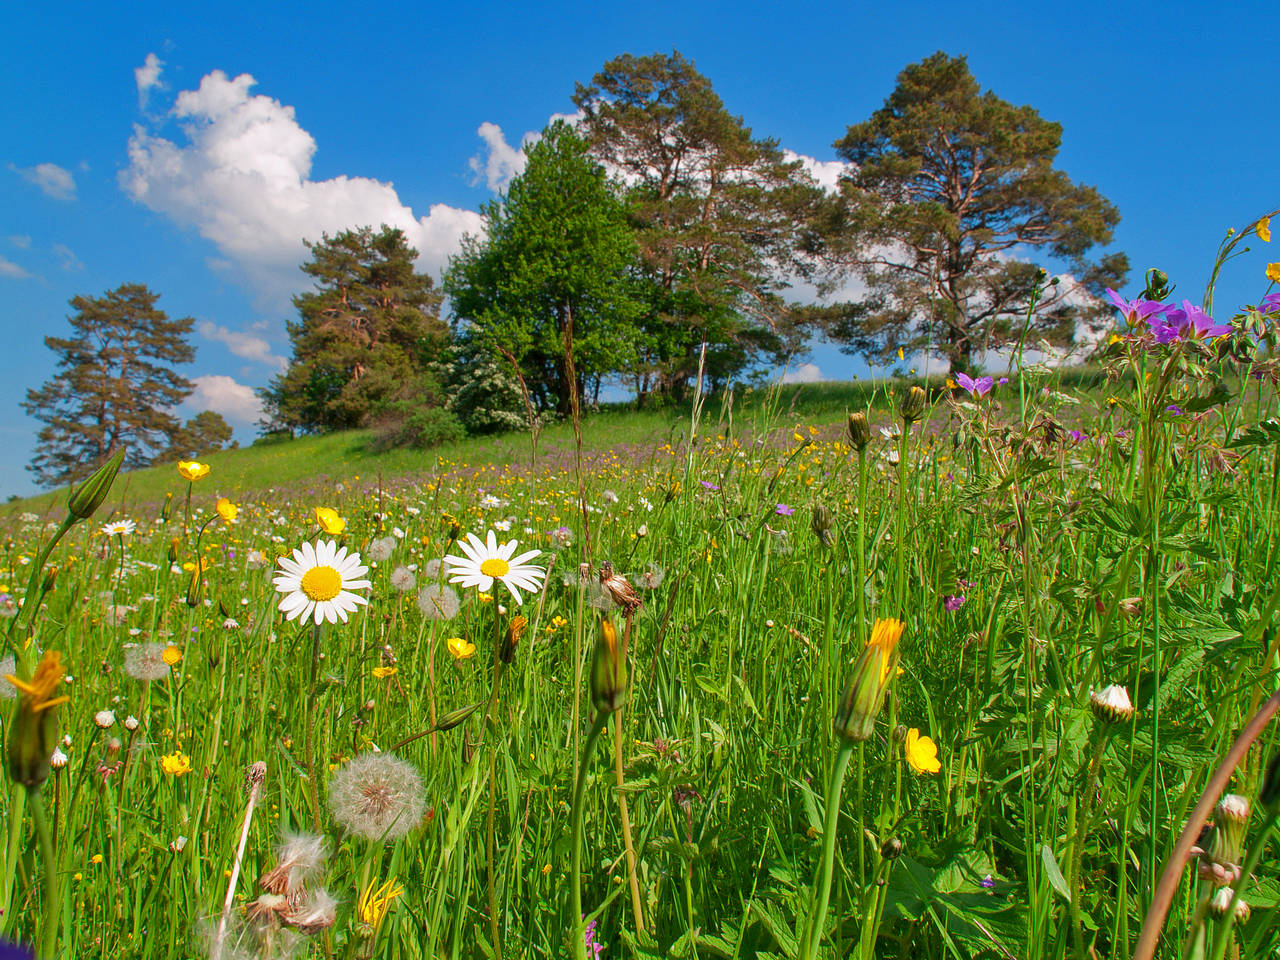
[368, 340]
[113, 387]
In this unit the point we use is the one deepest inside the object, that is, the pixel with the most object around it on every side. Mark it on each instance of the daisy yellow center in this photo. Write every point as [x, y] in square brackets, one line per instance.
[495, 567]
[321, 583]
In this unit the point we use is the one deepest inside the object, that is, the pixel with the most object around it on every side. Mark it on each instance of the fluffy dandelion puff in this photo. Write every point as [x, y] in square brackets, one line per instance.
[402, 579]
[377, 795]
[438, 602]
[431, 569]
[317, 582]
[380, 550]
[146, 662]
[300, 857]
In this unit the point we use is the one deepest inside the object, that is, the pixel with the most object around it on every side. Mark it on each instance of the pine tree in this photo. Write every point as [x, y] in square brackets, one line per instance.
[722, 218]
[367, 340]
[114, 385]
[207, 431]
[949, 189]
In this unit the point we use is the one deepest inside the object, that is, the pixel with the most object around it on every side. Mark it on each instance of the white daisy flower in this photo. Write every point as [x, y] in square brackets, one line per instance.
[118, 528]
[318, 580]
[486, 561]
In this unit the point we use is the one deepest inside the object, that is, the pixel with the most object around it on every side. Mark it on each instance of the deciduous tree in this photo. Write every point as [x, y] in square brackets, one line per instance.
[114, 385]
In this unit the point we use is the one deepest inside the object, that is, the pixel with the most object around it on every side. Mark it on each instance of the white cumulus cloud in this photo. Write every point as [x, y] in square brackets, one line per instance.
[54, 180]
[67, 258]
[498, 161]
[10, 269]
[242, 179]
[826, 172]
[805, 373]
[221, 394]
[242, 344]
[147, 78]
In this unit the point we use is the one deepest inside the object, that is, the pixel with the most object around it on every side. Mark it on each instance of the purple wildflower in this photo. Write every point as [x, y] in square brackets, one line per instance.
[1192, 322]
[1137, 312]
[1076, 436]
[952, 604]
[708, 485]
[987, 882]
[977, 388]
[1270, 303]
[785, 511]
[1002, 381]
[589, 938]
[1174, 409]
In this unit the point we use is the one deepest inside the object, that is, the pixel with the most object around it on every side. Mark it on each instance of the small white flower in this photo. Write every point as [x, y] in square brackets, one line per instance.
[177, 845]
[58, 760]
[131, 723]
[1112, 703]
[104, 719]
[118, 528]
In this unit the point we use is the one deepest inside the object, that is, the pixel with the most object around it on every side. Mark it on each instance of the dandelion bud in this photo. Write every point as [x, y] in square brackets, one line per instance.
[859, 430]
[455, 717]
[608, 671]
[1269, 794]
[862, 700]
[196, 586]
[88, 497]
[823, 524]
[619, 589]
[173, 550]
[166, 511]
[131, 723]
[1111, 704]
[33, 732]
[178, 844]
[1221, 903]
[912, 407]
[113, 746]
[516, 627]
[50, 580]
[891, 849]
[900, 733]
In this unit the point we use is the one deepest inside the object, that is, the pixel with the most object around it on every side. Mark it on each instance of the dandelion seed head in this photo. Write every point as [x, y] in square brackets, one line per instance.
[438, 602]
[377, 795]
[146, 662]
[402, 579]
[380, 550]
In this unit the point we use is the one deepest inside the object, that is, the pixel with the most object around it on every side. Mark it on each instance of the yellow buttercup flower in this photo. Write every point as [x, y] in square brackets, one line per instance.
[171, 655]
[921, 753]
[459, 648]
[376, 900]
[381, 673]
[329, 520]
[1263, 229]
[192, 470]
[175, 764]
[226, 509]
[1273, 272]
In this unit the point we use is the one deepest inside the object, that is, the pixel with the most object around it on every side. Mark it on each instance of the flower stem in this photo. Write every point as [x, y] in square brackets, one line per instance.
[1223, 934]
[52, 889]
[830, 824]
[579, 921]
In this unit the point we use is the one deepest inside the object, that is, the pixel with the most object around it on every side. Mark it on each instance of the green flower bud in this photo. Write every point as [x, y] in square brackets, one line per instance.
[455, 717]
[823, 524]
[856, 715]
[1230, 823]
[859, 430]
[88, 497]
[912, 407]
[33, 735]
[608, 671]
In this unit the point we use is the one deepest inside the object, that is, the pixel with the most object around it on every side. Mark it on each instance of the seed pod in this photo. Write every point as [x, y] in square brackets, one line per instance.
[823, 524]
[88, 497]
[619, 589]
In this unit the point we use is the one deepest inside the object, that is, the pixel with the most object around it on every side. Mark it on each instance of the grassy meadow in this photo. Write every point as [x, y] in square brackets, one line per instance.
[756, 778]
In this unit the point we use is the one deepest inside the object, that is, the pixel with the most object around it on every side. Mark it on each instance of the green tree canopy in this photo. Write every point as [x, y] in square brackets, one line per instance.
[720, 217]
[113, 387]
[208, 430]
[367, 338]
[556, 267]
[950, 190]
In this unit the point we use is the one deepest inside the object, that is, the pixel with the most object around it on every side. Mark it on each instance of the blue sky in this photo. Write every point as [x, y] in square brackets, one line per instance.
[202, 185]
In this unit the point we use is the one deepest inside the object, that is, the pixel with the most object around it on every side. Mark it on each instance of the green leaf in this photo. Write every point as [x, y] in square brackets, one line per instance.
[1051, 870]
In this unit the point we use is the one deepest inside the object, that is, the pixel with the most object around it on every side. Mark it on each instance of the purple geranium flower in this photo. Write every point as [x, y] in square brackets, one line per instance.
[1136, 312]
[976, 388]
[952, 604]
[1076, 435]
[1194, 323]
[1002, 381]
[709, 486]
[987, 882]
[1174, 409]
[1270, 303]
[785, 511]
